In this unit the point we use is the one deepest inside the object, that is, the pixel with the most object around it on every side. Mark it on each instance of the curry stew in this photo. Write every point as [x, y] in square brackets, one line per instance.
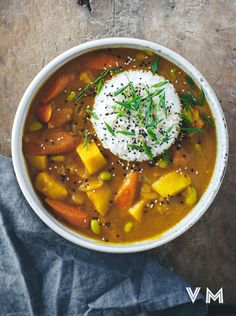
[91, 190]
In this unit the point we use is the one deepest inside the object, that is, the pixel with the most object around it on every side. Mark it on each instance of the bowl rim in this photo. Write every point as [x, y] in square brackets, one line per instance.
[191, 218]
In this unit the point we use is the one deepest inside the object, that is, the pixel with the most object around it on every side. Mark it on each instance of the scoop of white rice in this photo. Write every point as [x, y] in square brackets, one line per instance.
[113, 122]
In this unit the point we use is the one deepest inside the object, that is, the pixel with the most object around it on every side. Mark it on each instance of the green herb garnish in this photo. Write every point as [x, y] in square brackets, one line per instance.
[163, 103]
[99, 86]
[147, 150]
[120, 90]
[94, 115]
[86, 139]
[201, 97]
[188, 99]
[151, 133]
[190, 81]
[117, 71]
[186, 120]
[82, 92]
[127, 133]
[192, 130]
[110, 129]
[208, 119]
[160, 84]
[167, 157]
[155, 65]
[137, 147]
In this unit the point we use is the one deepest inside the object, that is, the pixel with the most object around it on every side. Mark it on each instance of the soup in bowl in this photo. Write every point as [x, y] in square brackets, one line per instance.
[119, 144]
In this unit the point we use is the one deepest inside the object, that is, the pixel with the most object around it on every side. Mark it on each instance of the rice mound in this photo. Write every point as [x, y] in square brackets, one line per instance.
[105, 110]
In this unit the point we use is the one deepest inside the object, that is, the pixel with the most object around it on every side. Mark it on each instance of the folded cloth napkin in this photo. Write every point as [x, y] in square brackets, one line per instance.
[44, 274]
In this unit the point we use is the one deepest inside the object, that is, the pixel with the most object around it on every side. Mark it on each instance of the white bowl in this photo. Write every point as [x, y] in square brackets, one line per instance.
[24, 180]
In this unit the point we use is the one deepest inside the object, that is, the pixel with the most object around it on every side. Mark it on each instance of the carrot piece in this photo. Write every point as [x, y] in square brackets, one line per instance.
[49, 142]
[128, 190]
[58, 86]
[60, 116]
[101, 61]
[180, 158]
[44, 112]
[72, 215]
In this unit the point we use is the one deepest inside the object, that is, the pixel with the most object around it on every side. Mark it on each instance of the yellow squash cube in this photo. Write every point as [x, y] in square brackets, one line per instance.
[39, 162]
[49, 186]
[91, 156]
[137, 210]
[171, 184]
[190, 194]
[101, 198]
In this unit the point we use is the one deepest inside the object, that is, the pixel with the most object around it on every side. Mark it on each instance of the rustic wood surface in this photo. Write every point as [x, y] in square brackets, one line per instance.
[203, 31]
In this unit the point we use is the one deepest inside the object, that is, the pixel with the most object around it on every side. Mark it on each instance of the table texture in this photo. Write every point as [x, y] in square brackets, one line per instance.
[203, 31]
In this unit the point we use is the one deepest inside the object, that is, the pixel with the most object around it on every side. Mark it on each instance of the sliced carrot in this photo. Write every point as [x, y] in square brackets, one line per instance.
[60, 116]
[180, 157]
[44, 112]
[49, 142]
[58, 86]
[128, 190]
[100, 61]
[72, 215]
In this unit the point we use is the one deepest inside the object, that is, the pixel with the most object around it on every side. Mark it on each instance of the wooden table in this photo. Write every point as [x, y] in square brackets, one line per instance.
[203, 31]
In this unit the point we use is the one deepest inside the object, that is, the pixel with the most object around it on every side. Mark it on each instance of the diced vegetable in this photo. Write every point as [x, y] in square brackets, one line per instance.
[60, 116]
[101, 198]
[35, 126]
[86, 77]
[171, 184]
[71, 96]
[148, 193]
[100, 61]
[162, 164]
[77, 198]
[180, 157]
[71, 214]
[105, 176]
[49, 142]
[128, 227]
[44, 112]
[49, 186]
[95, 227]
[91, 156]
[39, 162]
[137, 210]
[58, 86]
[197, 121]
[190, 194]
[91, 184]
[128, 190]
[58, 158]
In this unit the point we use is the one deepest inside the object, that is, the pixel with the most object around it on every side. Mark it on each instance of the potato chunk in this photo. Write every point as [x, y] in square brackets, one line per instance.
[39, 162]
[171, 183]
[91, 156]
[190, 194]
[100, 198]
[50, 187]
[137, 210]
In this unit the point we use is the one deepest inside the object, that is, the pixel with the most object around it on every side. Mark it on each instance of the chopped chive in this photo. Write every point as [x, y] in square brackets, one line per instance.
[110, 129]
[163, 103]
[147, 150]
[167, 157]
[125, 105]
[192, 130]
[117, 71]
[137, 147]
[94, 115]
[160, 84]
[186, 120]
[120, 90]
[155, 65]
[126, 133]
[82, 92]
[201, 97]
[208, 119]
[190, 81]
[151, 133]
[99, 86]
[86, 139]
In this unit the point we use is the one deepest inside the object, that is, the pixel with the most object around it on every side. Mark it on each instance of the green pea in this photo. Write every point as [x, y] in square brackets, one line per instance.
[71, 96]
[35, 126]
[105, 175]
[95, 227]
[128, 227]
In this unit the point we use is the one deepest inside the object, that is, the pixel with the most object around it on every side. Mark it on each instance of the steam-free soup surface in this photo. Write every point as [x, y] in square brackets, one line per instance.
[94, 191]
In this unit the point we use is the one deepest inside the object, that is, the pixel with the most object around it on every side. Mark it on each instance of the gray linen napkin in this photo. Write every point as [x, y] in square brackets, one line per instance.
[44, 274]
